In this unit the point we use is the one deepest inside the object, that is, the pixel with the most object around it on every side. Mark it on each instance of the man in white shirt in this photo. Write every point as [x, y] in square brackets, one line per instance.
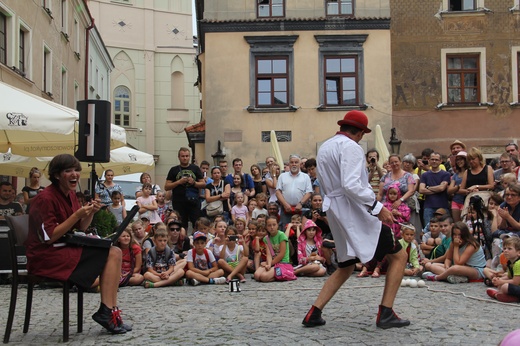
[355, 219]
[293, 189]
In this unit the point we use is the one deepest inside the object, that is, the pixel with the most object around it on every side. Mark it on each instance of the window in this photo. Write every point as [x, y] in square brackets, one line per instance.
[3, 38]
[271, 73]
[340, 7]
[122, 106]
[341, 69]
[21, 51]
[463, 78]
[76, 36]
[64, 17]
[272, 82]
[47, 70]
[341, 81]
[271, 8]
[63, 86]
[463, 5]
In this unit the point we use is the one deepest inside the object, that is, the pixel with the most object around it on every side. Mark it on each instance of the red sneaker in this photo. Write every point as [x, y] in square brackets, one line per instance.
[506, 298]
[492, 293]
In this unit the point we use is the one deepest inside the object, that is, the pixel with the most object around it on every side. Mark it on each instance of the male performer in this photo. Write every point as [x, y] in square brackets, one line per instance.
[355, 220]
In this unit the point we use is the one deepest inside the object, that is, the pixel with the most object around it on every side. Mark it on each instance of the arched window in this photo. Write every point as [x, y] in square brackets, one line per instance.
[122, 106]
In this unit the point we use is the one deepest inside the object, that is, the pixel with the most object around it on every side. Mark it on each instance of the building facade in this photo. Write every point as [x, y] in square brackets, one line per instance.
[152, 86]
[48, 48]
[295, 67]
[43, 48]
[455, 67]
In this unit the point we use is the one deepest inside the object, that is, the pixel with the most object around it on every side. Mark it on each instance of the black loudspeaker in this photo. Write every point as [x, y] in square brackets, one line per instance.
[94, 131]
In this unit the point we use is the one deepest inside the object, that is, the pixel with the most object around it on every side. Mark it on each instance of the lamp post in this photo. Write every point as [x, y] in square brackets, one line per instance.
[219, 155]
[395, 143]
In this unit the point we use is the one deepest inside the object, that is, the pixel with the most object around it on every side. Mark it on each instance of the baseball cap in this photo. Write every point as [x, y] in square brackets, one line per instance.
[199, 235]
[357, 119]
[462, 153]
[508, 235]
[145, 217]
[440, 211]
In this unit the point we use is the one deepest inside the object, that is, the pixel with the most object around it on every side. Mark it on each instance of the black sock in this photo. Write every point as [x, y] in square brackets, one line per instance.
[211, 281]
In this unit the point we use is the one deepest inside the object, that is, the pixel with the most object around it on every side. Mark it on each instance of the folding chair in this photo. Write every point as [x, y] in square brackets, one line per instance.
[16, 236]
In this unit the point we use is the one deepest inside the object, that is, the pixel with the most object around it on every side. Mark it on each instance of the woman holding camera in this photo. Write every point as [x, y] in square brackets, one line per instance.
[398, 176]
[509, 211]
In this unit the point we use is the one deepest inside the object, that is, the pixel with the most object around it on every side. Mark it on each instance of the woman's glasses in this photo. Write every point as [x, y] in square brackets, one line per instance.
[175, 229]
[511, 195]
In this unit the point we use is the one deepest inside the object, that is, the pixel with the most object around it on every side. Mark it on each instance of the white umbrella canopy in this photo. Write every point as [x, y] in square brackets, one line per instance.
[36, 127]
[380, 145]
[123, 160]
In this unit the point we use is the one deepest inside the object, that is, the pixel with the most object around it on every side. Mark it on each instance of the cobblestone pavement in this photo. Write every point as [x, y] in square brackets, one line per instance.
[271, 313]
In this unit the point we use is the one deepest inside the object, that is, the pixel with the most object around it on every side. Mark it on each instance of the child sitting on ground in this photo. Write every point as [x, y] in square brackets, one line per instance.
[132, 259]
[250, 236]
[233, 256]
[464, 260]
[160, 263]
[116, 208]
[401, 213]
[292, 231]
[445, 224]
[259, 246]
[202, 267]
[407, 242]
[508, 284]
[277, 253]
[310, 257]
[432, 238]
[138, 231]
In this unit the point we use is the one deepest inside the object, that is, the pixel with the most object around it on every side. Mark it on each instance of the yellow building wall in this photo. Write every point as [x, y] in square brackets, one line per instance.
[226, 94]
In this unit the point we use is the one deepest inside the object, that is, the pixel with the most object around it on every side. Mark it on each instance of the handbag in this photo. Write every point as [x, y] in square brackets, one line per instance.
[282, 271]
[216, 207]
[192, 195]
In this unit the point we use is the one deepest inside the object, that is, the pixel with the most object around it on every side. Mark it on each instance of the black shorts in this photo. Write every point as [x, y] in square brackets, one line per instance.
[386, 244]
[90, 266]
[513, 290]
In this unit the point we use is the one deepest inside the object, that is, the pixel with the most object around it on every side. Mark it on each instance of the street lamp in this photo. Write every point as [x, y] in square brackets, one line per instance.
[219, 155]
[395, 143]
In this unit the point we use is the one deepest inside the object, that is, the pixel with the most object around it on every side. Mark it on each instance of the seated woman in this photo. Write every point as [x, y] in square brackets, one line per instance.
[464, 261]
[54, 212]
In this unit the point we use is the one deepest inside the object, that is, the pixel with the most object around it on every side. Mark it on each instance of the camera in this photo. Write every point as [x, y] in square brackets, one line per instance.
[320, 212]
[373, 160]
[477, 203]
[233, 238]
[425, 162]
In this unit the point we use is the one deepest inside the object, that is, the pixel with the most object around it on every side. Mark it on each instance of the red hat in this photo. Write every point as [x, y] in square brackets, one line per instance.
[357, 119]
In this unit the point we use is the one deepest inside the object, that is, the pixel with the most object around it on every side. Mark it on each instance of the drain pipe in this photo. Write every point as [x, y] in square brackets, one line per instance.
[87, 42]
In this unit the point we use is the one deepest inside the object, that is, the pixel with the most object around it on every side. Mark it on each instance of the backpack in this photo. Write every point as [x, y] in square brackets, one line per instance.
[153, 253]
[193, 254]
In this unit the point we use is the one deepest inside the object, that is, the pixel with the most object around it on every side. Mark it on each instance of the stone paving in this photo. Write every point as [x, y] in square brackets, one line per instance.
[271, 313]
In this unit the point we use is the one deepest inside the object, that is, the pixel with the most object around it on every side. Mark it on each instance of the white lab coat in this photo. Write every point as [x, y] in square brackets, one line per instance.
[347, 198]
